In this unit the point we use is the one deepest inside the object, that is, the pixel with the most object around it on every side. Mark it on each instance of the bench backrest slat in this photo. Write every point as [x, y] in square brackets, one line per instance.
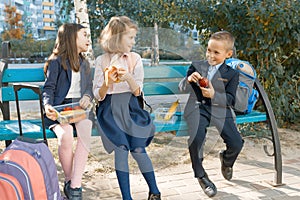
[8, 94]
[20, 75]
[23, 75]
[157, 72]
[160, 88]
[163, 80]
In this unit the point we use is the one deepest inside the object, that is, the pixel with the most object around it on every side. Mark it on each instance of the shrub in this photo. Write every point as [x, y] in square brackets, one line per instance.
[268, 36]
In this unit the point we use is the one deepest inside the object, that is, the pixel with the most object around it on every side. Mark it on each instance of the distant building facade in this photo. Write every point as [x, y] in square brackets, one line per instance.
[38, 16]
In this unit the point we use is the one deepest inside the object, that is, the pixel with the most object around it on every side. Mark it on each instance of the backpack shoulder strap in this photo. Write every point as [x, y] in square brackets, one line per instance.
[131, 61]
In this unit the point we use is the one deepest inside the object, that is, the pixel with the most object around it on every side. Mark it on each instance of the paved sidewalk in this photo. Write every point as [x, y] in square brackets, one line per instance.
[251, 180]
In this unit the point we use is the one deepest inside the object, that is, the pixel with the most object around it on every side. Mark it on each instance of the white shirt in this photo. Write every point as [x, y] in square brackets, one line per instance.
[74, 91]
[212, 71]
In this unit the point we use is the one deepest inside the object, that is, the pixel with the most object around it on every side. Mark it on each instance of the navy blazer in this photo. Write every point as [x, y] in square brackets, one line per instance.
[224, 82]
[58, 82]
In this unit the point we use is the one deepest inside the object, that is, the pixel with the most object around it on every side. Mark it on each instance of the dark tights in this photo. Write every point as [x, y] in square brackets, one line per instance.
[122, 169]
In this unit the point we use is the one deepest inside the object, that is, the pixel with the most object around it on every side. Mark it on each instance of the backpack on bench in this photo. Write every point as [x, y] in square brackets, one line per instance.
[246, 95]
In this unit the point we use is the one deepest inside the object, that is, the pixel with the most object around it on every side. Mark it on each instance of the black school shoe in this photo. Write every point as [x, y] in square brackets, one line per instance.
[226, 171]
[154, 197]
[66, 188]
[75, 194]
[72, 193]
[207, 186]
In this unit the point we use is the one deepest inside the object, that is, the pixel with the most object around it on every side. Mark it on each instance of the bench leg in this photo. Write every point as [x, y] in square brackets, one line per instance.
[7, 142]
[5, 113]
[275, 138]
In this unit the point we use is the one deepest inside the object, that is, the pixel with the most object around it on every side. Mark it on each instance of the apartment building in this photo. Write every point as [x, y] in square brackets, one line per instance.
[37, 15]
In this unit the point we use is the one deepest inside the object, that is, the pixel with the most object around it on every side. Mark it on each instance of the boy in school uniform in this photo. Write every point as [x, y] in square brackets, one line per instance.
[214, 107]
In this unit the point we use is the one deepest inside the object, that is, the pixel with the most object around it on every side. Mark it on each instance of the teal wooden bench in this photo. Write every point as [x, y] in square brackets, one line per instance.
[159, 80]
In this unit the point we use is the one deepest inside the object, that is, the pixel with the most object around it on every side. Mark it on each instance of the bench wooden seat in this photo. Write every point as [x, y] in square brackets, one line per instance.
[9, 134]
[159, 80]
[181, 127]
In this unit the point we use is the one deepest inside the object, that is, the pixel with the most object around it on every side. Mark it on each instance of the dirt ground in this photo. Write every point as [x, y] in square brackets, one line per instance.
[167, 151]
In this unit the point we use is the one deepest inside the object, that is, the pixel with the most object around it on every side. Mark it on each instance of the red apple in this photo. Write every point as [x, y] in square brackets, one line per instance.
[203, 82]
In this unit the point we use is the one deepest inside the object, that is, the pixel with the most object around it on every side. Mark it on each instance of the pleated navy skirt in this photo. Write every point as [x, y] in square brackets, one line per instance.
[123, 122]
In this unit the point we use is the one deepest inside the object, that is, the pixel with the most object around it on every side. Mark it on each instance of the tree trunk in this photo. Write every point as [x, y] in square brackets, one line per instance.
[82, 17]
[155, 47]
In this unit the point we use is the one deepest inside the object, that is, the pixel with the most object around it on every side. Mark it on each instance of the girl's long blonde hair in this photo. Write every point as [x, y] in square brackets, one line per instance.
[111, 36]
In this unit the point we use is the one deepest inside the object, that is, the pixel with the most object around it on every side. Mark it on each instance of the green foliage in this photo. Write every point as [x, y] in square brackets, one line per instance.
[22, 48]
[64, 12]
[144, 12]
[267, 35]
[28, 47]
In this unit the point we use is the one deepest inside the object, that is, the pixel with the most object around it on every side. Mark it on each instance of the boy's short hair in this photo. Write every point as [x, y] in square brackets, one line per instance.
[226, 37]
[110, 38]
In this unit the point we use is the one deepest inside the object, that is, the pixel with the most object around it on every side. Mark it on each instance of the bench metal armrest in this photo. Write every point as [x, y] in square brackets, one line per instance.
[37, 90]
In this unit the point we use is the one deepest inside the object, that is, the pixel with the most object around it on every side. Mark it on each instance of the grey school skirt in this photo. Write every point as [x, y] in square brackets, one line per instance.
[123, 122]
